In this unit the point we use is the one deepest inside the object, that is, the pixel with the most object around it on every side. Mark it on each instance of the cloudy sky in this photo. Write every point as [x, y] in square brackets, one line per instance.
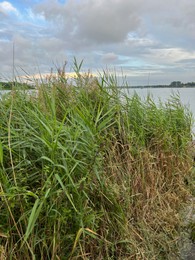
[150, 41]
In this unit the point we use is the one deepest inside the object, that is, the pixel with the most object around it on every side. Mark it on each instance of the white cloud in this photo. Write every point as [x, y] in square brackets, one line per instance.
[170, 56]
[7, 7]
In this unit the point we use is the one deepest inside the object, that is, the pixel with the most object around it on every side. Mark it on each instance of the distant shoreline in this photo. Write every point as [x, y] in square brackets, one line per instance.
[15, 85]
[156, 86]
[174, 84]
[121, 87]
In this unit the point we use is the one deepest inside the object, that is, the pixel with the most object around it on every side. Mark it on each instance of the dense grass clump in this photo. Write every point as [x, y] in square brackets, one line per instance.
[87, 173]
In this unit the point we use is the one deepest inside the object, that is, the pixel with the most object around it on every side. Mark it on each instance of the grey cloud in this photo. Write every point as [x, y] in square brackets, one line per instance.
[107, 22]
[172, 22]
[51, 45]
[109, 58]
[113, 32]
[94, 21]
[188, 61]
[92, 25]
[186, 64]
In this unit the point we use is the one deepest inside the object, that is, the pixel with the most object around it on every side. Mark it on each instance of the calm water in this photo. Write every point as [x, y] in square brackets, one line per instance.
[187, 95]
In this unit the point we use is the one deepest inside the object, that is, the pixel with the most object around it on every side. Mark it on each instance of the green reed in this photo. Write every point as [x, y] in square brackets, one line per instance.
[90, 173]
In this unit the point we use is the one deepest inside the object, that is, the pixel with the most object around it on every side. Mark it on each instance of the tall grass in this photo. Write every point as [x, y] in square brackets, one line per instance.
[89, 173]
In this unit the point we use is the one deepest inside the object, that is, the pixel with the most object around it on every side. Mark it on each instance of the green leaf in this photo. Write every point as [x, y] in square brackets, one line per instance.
[1, 153]
[65, 190]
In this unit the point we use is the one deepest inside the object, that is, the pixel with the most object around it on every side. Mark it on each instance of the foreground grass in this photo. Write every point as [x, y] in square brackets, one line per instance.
[88, 174]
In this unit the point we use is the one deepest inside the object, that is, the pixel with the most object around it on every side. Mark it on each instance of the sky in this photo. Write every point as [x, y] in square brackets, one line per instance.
[148, 41]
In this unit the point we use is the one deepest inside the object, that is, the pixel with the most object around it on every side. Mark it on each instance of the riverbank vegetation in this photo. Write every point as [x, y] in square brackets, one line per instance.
[90, 173]
[24, 86]
[16, 85]
[174, 84]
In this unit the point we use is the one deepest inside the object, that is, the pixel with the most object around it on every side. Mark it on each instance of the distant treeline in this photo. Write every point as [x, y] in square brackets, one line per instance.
[15, 85]
[179, 84]
[174, 84]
